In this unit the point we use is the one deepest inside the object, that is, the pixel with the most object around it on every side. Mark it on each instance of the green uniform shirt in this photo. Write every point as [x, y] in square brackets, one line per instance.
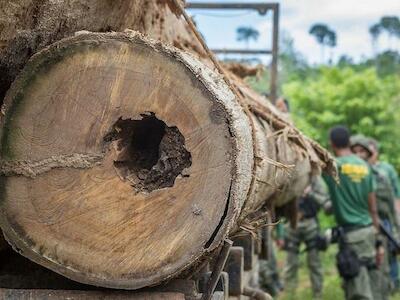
[392, 174]
[350, 197]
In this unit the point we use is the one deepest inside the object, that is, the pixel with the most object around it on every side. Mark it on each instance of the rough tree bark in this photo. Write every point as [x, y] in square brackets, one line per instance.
[124, 161]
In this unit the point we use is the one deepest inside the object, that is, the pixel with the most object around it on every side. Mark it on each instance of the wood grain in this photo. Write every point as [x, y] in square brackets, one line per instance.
[89, 224]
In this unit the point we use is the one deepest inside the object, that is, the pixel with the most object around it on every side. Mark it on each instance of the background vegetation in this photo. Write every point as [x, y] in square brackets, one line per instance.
[363, 95]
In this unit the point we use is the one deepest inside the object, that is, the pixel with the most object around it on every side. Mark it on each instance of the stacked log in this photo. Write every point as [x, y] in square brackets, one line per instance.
[126, 159]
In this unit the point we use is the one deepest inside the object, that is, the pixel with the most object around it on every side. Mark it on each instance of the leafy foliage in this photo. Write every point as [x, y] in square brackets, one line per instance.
[246, 34]
[361, 100]
[292, 66]
[365, 96]
[321, 33]
[386, 63]
[324, 36]
[375, 30]
[388, 24]
[391, 24]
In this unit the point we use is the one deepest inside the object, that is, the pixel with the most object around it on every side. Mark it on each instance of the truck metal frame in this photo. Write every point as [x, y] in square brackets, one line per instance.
[262, 9]
[230, 275]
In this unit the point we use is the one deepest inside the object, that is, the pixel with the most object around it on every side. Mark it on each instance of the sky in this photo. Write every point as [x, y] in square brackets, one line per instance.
[350, 19]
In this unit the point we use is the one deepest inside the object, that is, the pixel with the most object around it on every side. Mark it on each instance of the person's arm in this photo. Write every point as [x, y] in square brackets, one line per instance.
[320, 195]
[373, 211]
[394, 178]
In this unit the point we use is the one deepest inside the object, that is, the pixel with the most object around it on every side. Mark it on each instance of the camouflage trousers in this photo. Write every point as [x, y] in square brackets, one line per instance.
[367, 285]
[306, 232]
[269, 279]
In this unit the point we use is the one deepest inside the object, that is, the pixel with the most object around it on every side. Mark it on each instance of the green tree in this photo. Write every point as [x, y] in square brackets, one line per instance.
[386, 63]
[361, 100]
[324, 36]
[391, 24]
[375, 31]
[345, 61]
[292, 66]
[246, 34]
[331, 43]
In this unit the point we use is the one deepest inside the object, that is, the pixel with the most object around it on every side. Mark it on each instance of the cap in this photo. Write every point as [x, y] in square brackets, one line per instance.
[360, 140]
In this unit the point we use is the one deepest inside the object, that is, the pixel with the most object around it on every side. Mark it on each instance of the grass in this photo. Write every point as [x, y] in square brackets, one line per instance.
[332, 282]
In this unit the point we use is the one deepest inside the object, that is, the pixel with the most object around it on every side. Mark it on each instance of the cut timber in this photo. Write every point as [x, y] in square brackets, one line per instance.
[124, 161]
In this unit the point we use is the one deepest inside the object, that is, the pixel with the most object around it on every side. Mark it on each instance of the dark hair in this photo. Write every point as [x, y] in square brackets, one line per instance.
[287, 104]
[340, 137]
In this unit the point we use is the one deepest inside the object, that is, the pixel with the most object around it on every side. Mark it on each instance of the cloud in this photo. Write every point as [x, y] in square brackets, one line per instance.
[338, 10]
[350, 19]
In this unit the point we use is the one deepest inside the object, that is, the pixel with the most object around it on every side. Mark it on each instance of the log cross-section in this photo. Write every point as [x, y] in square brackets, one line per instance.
[175, 148]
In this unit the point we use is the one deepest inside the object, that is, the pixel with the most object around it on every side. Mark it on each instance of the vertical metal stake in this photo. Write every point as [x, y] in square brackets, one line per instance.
[218, 267]
[274, 62]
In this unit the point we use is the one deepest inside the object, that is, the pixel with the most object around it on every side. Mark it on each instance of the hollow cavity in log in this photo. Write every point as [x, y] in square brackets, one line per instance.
[151, 155]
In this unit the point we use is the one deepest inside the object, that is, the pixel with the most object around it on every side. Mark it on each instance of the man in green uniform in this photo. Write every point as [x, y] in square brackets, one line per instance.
[391, 222]
[307, 232]
[385, 205]
[385, 167]
[354, 208]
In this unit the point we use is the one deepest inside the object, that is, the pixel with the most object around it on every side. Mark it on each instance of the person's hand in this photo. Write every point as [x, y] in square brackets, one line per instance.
[307, 190]
[380, 254]
[280, 243]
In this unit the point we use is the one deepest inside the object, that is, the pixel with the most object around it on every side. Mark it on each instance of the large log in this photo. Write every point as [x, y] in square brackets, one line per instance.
[121, 163]
[125, 161]
[27, 26]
